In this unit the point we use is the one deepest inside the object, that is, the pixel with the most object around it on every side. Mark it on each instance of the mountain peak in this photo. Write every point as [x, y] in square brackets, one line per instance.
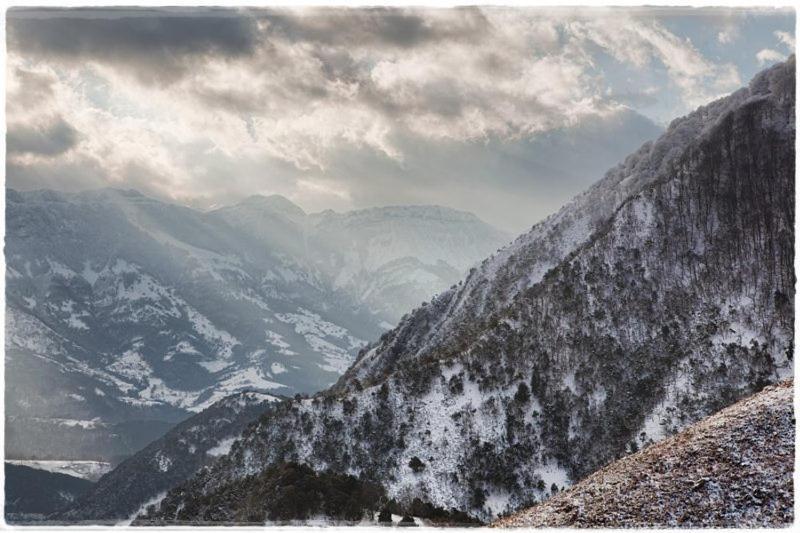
[274, 202]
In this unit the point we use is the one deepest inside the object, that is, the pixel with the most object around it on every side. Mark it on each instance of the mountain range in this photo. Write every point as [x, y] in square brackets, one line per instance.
[126, 314]
[657, 297]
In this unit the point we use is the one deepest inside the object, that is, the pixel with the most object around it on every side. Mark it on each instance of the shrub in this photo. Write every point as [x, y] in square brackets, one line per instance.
[416, 464]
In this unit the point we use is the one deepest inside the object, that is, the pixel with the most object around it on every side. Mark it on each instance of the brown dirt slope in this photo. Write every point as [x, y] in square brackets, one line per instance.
[732, 469]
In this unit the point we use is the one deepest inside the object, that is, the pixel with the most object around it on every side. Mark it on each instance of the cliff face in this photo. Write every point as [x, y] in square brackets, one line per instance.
[732, 469]
[660, 296]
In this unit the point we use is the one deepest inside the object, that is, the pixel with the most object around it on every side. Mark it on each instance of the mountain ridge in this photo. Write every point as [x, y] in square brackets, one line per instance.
[137, 309]
[660, 303]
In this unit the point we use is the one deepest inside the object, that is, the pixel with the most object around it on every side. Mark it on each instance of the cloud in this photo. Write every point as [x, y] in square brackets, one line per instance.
[767, 55]
[371, 27]
[787, 39]
[50, 139]
[185, 103]
[159, 46]
[642, 41]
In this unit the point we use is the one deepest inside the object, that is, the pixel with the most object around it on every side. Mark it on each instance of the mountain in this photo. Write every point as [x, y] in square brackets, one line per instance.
[732, 469]
[659, 296]
[164, 463]
[385, 259]
[32, 493]
[393, 258]
[126, 314]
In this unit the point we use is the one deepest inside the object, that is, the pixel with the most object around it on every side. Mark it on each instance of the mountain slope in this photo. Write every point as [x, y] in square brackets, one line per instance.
[659, 296]
[167, 461]
[121, 308]
[34, 493]
[499, 279]
[732, 469]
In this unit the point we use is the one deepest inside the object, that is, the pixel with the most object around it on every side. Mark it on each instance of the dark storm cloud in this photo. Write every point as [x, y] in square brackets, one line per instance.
[404, 28]
[157, 44]
[53, 138]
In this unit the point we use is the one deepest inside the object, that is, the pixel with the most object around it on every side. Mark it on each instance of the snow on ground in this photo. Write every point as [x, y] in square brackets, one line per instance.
[551, 473]
[222, 447]
[183, 347]
[89, 274]
[155, 500]
[158, 392]
[238, 380]
[162, 462]
[316, 332]
[222, 339]
[277, 341]
[336, 359]
[59, 269]
[214, 366]
[131, 365]
[91, 470]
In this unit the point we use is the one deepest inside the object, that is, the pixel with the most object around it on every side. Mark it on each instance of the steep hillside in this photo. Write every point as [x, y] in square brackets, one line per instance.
[732, 469]
[32, 494]
[661, 295]
[168, 461]
[125, 310]
[454, 315]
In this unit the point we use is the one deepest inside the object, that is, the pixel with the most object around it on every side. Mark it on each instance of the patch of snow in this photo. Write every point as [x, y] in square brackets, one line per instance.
[131, 365]
[155, 500]
[277, 341]
[551, 473]
[162, 462]
[214, 366]
[222, 339]
[223, 447]
[91, 470]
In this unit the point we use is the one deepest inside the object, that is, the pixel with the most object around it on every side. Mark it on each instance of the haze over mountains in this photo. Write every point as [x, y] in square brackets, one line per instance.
[125, 313]
[659, 296]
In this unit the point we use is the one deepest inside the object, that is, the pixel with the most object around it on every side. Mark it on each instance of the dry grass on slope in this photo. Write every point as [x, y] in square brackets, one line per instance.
[732, 469]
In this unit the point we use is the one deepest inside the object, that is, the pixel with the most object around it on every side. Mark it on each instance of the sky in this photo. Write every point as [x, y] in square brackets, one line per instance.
[504, 112]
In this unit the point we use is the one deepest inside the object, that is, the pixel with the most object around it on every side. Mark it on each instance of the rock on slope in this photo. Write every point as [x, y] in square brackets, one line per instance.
[732, 469]
[122, 308]
[658, 297]
[167, 461]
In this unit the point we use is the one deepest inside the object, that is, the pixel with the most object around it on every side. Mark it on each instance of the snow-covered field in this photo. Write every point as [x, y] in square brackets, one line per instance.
[91, 470]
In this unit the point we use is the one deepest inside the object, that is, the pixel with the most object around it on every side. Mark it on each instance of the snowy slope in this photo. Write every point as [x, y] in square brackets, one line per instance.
[656, 298]
[167, 461]
[504, 275]
[124, 308]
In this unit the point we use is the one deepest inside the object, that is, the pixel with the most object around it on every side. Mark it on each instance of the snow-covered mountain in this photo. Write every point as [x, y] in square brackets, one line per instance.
[122, 308]
[659, 296]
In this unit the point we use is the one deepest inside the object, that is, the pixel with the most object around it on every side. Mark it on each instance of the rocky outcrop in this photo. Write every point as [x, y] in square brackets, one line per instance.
[732, 469]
